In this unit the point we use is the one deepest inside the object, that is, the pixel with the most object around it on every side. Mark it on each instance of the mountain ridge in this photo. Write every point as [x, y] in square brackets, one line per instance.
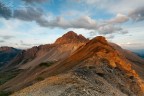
[95, 59]
[84, 60]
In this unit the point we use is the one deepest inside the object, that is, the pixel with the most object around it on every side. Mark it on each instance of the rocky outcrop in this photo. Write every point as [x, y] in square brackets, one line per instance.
[136, 62]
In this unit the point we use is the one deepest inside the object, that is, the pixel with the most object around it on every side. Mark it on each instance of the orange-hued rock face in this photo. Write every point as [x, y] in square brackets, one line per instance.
[98, 54]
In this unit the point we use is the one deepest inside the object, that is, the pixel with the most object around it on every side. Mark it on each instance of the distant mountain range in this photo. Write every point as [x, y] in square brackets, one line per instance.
[74, 66]
[7, 54]
[139, 52]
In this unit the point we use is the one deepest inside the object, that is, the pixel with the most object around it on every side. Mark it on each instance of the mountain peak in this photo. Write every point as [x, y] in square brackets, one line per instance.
[71, 37]
[100, 39]
[70, 33]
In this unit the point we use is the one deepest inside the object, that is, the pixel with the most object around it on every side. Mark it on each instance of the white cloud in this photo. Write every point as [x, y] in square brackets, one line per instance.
[120, 18]
[115, 6]
[35, 36]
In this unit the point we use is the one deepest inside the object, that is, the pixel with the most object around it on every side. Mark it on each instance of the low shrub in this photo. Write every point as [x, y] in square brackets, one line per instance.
[39, 78]
[3, 93]
[46, 64]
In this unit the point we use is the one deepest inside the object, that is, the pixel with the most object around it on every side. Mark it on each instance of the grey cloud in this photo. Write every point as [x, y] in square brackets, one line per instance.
[108, 29]
[28, 14]
[1, 41]
[6, 37]
[82, 22]
[21, 42]
[137, 14]
[31, 14]
[120, 18]
[5, 12]
[124, 31]
[27, 45]
[110, 37]
[24, 44]
[37, 15]
[85, 22]
[34, 1]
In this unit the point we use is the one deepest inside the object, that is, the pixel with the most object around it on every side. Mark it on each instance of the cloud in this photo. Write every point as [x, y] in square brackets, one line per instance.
[82, 22]
[37, 15]
[108, 29]
[6, 37]
[28, 14]
[25, 44]
[132, 45]
[34, 1]
[137, 14]
[5, 12]
[124, 31]
[85, 22]
[110, 37]
[2, 41]
[120, 18]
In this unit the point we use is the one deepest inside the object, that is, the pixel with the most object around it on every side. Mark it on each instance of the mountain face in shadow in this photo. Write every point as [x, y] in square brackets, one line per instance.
[74, 65]
[7, 54]
[139, 52]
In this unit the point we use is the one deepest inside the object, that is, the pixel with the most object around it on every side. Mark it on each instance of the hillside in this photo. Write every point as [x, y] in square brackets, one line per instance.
[32, 62]
[95, 68]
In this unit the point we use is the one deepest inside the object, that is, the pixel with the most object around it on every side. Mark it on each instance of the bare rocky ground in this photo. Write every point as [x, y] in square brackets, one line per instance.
[85, 81]
[70, 85]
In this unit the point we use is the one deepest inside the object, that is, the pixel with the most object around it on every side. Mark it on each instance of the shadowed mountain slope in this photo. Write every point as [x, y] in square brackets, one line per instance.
[7, 54]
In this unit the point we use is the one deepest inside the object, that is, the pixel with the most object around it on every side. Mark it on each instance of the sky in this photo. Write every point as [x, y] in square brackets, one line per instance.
[27, 23]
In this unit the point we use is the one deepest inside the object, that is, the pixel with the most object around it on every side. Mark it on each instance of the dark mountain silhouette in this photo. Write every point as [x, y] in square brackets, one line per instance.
[139, 52]
[7, 54]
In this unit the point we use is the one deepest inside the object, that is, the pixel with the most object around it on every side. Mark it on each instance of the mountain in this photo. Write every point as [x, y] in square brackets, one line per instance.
[136, 62]
[35, 60]
[141, 55]
[139, 52]
[71, 37]
[74, 65]
[7, 54]
[63, 47]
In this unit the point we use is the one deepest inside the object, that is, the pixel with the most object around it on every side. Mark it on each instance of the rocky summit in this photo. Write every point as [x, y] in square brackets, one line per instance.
[71, 37]
[76, 66]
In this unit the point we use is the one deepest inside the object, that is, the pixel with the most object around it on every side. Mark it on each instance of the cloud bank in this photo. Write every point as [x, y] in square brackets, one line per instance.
[34, 1]
[104, 27]
[5, 12]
